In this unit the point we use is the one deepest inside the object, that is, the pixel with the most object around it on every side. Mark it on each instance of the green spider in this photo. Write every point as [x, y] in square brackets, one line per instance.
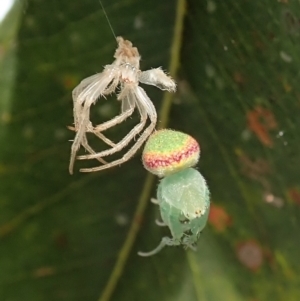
[182, 195]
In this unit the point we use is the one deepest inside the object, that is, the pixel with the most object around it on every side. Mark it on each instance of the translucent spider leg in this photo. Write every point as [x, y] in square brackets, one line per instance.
[90, 150]
[189, 243]
[99, 135]
[90, 88]
[85, 144]
[128, 106]
[156, 77]
[118, 119]
[127, 110]
[112, 87]
[154, 201]
[80, 137]
[166, 241]
[120, 145]
[83, 99]
[136, 130]
[158, 222]
[77, 105]
[147, 106]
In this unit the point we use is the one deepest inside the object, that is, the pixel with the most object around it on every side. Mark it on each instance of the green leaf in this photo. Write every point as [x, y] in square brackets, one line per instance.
[76, 237]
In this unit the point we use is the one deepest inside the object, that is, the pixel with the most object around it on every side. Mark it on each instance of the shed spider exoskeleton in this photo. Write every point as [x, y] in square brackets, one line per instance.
[123, 72]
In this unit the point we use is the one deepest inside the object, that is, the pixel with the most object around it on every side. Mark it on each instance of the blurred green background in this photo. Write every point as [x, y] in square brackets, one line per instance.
[238, 95]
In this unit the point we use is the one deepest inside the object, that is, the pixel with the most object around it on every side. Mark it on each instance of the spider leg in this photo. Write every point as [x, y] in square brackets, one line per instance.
[92, 83]
[90, 150]
[112, 87]
[166, 241]
[189, 242]
[158, 78]
[160, 223]
[154, 201]
[125, 141]
[76, 144]
[121, 144]
[147, 106]
[110, 123]
[91, 88]
[127, 109]
[104, 139]
[99, 135]
[128, 105]
[77, 104]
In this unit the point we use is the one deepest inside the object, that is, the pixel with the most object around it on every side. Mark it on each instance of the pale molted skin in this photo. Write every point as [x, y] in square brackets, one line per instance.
[183, 199]
[124, 73]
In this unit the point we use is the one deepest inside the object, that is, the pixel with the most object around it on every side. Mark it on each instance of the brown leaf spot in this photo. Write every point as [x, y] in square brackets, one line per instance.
[261, 121]
[219, 218]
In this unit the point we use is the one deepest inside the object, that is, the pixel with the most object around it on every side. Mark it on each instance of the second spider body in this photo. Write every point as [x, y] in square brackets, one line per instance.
[182, 194]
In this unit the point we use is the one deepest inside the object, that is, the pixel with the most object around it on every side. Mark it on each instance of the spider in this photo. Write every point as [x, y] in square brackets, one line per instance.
[182, 194]
[124, 73]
